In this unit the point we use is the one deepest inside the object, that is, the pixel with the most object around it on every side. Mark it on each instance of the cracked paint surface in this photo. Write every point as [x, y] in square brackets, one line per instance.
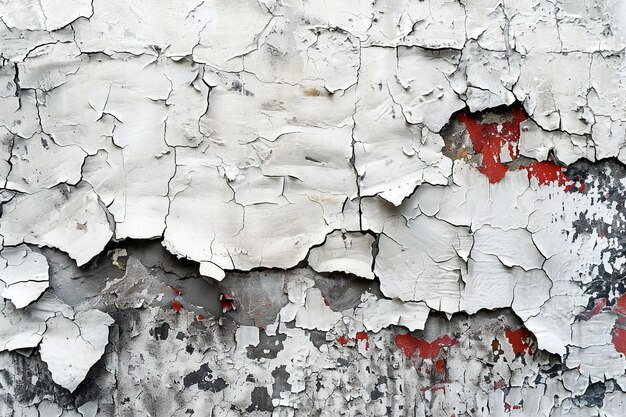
[294, 207]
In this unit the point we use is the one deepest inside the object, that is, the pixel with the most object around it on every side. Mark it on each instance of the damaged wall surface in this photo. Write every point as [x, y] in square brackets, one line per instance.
[313, 207]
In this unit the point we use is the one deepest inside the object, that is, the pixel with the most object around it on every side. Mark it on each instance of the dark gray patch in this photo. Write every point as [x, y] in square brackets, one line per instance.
[6, 380]
[376, 393]
[260, 400]
[204, 378]
[593, 396]
[343, 362]
[318, 338]
[272, 344]
[281, 376]
[343, 291]
[160, 332]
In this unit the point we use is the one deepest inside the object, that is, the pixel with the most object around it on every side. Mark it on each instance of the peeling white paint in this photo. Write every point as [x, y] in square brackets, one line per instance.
[261, 137]
[71, 346]
[347, 252]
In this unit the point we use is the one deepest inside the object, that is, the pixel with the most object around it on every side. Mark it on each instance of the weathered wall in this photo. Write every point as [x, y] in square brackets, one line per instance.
[307, 207]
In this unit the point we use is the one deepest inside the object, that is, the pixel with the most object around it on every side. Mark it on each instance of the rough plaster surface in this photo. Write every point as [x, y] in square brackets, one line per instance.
[298, 207]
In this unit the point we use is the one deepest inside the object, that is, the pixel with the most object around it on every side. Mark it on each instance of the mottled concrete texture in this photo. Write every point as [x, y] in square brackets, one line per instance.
[312, 208]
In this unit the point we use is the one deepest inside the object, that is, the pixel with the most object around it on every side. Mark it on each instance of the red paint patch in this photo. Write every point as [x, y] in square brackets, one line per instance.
[176, 306]
[176, 290]
[619, 340]
[427, 350]
[547, 172]
[407, 343]
[226, 302]
[489, 139]
[500, 384]
[619, 333]
[440, 365]
[434, 389]
[363, 336]
[342, 340]
[521, 340]
[201, 317]
[599, 305]
[620, 306]
[431, 350]
[507, 407]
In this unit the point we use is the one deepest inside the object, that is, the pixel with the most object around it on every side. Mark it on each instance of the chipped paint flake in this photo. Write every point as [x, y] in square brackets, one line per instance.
[24, 274]
[71, 346]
